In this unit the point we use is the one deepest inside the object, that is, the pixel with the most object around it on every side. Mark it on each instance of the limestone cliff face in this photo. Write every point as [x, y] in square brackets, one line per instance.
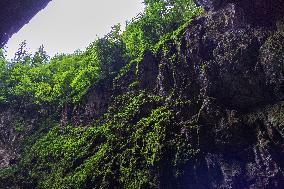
[93, 105]
[229, 63]
[8, 138]
[15, 124]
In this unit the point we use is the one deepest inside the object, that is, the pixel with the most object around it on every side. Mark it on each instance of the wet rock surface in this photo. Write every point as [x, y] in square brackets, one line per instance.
[258, 12]
[93, 105]
[229, 63]
[234, 70]
[8, 138]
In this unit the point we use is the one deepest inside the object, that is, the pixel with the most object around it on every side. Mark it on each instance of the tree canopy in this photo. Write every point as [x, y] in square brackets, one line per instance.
[65, 78]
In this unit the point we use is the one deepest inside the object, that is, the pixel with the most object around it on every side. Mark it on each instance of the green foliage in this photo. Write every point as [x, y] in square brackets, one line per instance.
[62, 79]
[37, 79]
[6, 172]
[3, 78]
[19, 125]
[127, 146]
[126, 151]
[7, 175]
[159, 19]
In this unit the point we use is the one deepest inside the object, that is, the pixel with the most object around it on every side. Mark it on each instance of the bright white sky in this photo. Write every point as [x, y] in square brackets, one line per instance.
[68, 25]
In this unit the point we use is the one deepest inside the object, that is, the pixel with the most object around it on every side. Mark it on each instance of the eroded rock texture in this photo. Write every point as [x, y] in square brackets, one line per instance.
[15, 14]
[233, 69]
[263, 12]
[229, 66]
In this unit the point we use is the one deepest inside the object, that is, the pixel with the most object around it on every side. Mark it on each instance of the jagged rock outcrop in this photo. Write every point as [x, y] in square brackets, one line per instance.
[15, 14]
[93, 105]
[230, 67]
[261, 12]
[233, 68]
[8, 137]
[231, 64]
[13, 126]
[227, 71]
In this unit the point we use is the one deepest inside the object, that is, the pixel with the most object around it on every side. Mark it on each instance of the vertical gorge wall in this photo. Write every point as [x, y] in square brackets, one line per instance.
[224, 80]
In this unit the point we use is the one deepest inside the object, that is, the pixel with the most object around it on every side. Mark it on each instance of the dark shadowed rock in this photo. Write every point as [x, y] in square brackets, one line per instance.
[227, 71]
[147, 71]
[211, 4]
[260, 12]
[15, 14]
[93, 105]
[234, 71]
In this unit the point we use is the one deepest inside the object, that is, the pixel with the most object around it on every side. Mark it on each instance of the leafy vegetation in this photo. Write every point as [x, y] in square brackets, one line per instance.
[160, 19]
[62, 79]
[127, 150]
[37, 79]
[127, 146]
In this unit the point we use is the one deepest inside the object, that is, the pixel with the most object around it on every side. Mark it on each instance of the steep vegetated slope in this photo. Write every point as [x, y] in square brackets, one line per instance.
[181, 99]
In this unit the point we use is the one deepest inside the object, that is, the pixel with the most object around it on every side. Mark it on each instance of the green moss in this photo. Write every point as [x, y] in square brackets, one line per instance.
[19, 125]
[7, 177]
[126, 150]
[274, 44]
[7, 172]
[133, 85]
[128, 145]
